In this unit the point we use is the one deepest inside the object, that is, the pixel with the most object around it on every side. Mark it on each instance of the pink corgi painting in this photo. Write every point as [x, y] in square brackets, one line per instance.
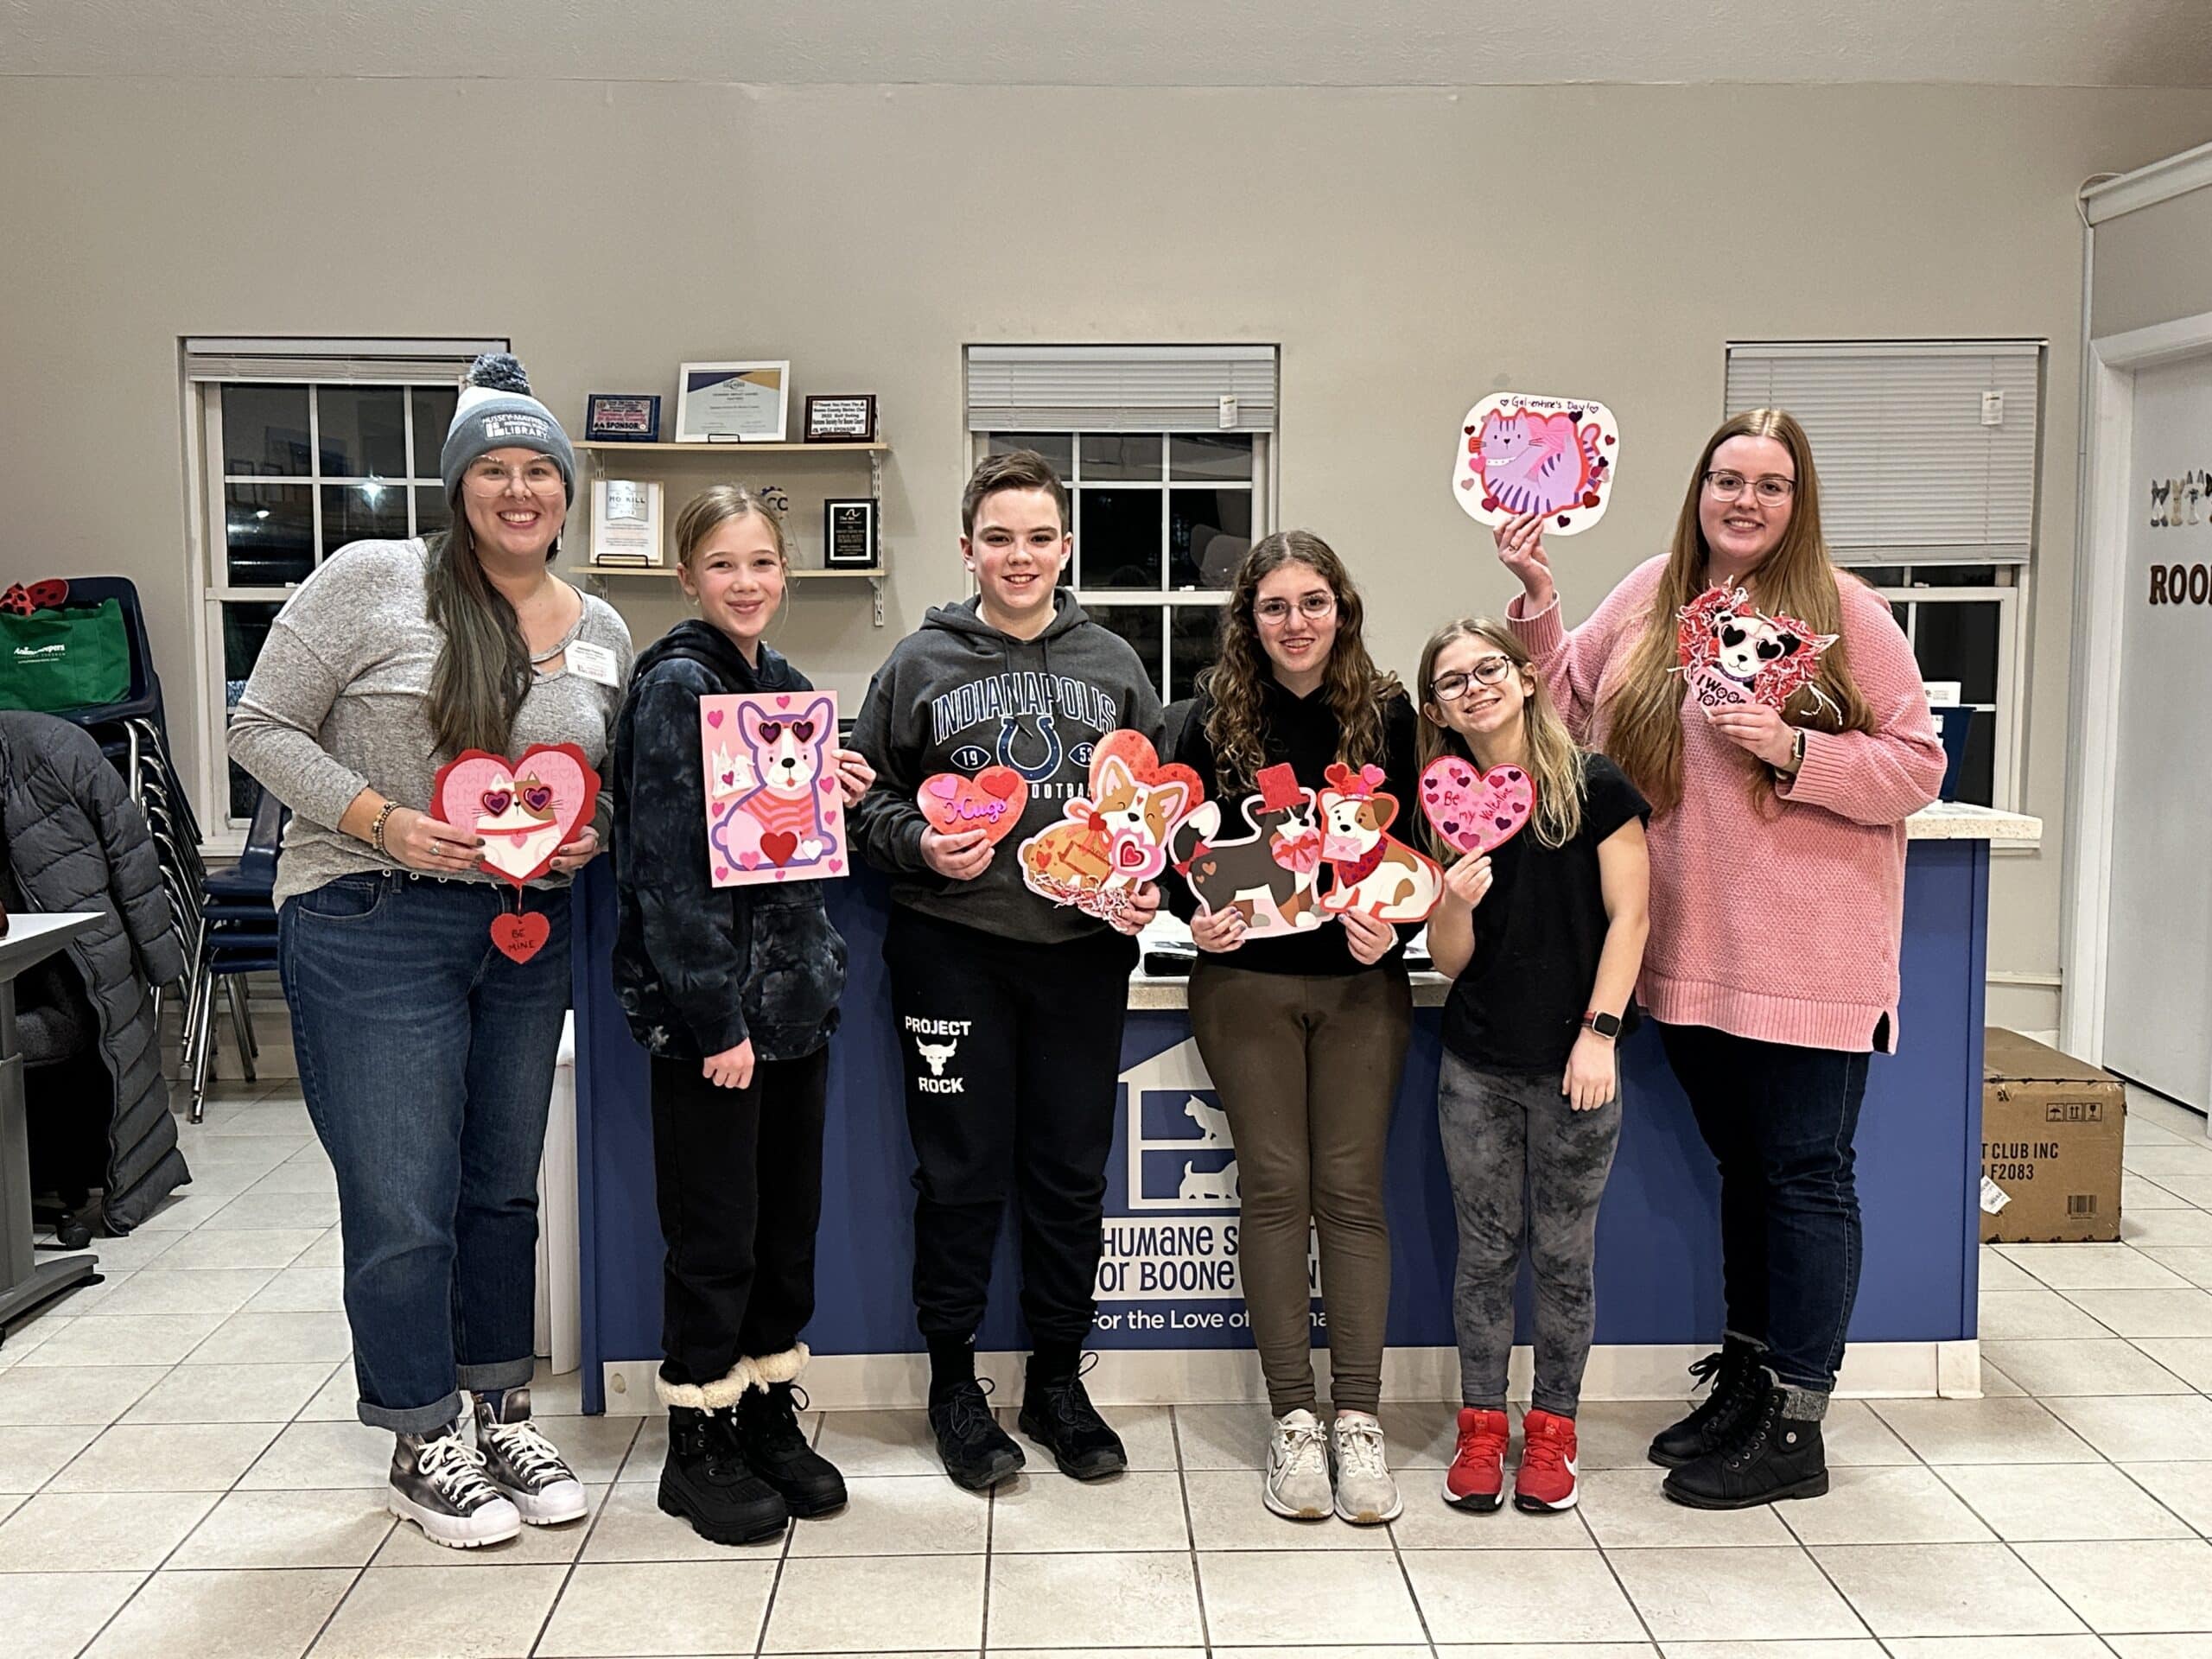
[1556, 456]
[774, 813]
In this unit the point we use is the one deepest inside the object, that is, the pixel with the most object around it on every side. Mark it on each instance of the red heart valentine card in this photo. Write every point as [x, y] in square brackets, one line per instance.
[1476, 810]
[526, 810]
[773, 807]
[991, 801]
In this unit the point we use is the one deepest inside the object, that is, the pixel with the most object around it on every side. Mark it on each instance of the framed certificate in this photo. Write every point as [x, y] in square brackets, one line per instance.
[848, 534]
[732, 402]
[846, 419]
[622, 417]
[626, 519]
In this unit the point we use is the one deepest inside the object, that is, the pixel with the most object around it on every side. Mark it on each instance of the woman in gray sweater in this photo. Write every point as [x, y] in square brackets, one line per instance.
[426, 1052]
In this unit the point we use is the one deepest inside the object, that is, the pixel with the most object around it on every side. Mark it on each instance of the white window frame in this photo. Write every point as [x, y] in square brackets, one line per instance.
[209, 365]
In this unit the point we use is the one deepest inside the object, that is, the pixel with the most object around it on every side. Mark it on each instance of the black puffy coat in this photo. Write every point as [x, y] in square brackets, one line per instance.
[77, 842]
[700, 969]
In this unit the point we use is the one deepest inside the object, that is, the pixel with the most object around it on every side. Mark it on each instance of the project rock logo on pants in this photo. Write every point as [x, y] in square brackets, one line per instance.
[937, 1056]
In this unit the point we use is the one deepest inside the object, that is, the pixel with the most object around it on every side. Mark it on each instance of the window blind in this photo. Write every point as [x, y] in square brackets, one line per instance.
[1110, 388]
[331, 361]
[1909, 472]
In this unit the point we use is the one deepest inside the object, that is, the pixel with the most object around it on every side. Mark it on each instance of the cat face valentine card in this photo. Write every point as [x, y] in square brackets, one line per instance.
[1551, 455]
[1476, 810]
[1114, 840]
[1268, 874]
[525, 809]
[991, 801]
[773, 813]
[1732, 654]
[1374, 872]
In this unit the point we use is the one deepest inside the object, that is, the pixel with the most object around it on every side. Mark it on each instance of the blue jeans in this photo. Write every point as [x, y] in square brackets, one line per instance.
[427, 1060]
[1780, 1121]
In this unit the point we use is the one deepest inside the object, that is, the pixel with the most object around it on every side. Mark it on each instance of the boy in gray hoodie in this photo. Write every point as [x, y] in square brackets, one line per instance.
[1009, 1008]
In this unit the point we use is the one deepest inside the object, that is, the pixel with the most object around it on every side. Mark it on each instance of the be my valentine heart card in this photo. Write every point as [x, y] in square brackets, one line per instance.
[1474, 810]
[773, 813]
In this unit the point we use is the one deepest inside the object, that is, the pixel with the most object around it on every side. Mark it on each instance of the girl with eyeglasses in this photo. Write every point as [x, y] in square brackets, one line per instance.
[1542, 939]
[1778, 900]
[1303, 1031]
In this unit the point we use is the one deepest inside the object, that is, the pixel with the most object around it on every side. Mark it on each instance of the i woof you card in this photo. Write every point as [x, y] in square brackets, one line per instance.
[773, 813]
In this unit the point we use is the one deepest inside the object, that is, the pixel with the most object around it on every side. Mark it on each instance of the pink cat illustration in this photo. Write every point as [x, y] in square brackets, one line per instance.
[1537, 463]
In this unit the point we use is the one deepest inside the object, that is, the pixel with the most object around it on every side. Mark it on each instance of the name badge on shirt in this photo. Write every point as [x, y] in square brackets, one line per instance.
[595, 663]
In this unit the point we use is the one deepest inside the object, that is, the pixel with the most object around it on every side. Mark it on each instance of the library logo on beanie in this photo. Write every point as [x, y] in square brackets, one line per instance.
[496, 411]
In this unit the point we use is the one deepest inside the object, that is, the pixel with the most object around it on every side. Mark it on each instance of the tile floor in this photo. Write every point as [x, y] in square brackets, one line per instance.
[180, 1475]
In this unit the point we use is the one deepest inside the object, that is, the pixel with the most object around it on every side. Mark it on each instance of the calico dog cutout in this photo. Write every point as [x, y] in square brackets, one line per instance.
[1268, 876]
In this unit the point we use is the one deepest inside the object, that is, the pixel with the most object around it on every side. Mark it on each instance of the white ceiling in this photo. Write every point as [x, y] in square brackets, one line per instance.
[1200, 43]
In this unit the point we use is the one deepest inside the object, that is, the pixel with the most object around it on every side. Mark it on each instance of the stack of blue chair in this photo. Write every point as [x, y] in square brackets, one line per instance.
[238, 936]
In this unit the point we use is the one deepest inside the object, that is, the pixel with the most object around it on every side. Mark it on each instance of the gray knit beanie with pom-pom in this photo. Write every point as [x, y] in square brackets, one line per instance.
[496, 411]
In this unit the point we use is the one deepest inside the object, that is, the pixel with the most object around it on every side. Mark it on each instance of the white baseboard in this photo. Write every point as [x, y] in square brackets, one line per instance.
[1131, 1376]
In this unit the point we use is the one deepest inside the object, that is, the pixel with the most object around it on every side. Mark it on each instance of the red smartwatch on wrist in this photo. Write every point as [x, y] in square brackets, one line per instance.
[1607, 1026]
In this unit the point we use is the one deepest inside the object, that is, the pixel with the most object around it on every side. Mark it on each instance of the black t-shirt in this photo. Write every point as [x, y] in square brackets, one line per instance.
[1539, 933]
[1304, 732]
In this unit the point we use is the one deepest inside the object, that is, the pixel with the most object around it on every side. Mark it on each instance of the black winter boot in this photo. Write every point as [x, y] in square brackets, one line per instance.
[776, 1450]
[1777, 1453]
[1736, 1394]
[706, 1481]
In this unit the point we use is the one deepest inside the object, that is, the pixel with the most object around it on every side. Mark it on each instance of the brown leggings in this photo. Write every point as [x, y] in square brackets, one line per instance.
[1306, 1067]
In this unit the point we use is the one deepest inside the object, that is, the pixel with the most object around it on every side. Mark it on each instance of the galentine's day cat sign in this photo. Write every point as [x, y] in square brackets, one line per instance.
[991, 801]
[774, 813]
[1734, 654]
[1474, 810]
[1109, 843]
[525, 811]
[1519, 454]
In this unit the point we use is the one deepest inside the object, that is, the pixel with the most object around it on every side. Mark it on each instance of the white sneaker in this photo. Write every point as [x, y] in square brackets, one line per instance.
[1297, 1468]
[1366, 1496]
[439, 1484]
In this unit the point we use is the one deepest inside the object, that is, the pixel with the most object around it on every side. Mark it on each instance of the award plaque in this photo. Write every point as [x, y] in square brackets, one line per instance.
[848, 534]
[625, 521]
[622, 417]
[732, 402]
[845, 419]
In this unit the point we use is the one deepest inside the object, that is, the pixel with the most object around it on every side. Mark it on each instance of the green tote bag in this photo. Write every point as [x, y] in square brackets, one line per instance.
[73, 657]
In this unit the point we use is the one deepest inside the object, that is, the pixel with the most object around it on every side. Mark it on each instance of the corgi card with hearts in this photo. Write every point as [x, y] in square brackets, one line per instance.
[1474, 810]
[525, 809]
[1109, 843]
[1554, 457]
[774, 813]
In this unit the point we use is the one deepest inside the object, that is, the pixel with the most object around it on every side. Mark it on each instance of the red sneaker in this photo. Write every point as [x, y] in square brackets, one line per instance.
[1545, 1481]
[1476, 1479]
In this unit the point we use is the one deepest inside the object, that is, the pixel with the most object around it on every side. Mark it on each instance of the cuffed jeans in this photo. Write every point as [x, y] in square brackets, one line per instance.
[1780, 1120]
[426, 1057]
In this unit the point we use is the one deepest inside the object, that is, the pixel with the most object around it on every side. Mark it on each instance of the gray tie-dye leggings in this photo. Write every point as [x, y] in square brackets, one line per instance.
[1507, 1133]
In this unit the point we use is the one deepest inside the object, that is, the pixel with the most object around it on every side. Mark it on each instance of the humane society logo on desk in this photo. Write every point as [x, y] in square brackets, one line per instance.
[1172, 1211]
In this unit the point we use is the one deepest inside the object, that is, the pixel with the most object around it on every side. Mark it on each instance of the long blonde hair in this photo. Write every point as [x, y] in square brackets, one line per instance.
[1642, 717]
[715, 506]
[1357, 691]
[1553, 759]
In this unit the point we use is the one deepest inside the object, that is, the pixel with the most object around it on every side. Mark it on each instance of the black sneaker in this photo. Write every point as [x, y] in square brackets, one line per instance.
[706, 1481]
[1058, 1416]
[776, 1450]
[438, 1482]
[1736, 1393]
[1774, 1456]
[978, 1454]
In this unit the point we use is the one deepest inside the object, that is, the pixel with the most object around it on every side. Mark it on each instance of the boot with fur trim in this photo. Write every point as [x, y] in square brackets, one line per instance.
[776, 1446]
[706, 1480]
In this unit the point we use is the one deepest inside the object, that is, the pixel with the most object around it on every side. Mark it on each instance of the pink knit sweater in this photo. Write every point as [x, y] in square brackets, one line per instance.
[1783, 929]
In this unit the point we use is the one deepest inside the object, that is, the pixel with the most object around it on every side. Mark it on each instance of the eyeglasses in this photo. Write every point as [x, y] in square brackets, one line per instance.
[1312, 607]
[1773, 489]
[1450, 687]
[538, 477]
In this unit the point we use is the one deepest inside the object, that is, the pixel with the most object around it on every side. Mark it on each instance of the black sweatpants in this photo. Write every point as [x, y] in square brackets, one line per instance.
[738, 1173]
[1012, 1060]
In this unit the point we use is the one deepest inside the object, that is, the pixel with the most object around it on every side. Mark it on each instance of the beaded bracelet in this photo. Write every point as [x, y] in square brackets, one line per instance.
[376, 828]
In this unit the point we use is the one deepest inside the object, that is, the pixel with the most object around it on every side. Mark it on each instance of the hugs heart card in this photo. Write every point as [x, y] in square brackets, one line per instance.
[773, 813]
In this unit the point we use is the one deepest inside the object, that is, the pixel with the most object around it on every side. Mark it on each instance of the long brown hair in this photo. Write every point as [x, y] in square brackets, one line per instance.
[1548, 749]
[483, 669]
[1642, 720]
[1355, 689]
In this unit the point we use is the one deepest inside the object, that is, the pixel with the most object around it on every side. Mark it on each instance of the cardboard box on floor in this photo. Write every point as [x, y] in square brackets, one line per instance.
[2050, 1142]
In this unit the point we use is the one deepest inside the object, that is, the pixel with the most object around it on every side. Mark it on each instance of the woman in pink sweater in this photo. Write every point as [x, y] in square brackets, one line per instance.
[1777, 900]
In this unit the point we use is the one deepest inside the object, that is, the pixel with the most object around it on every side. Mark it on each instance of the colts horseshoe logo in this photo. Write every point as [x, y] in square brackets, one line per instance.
[1042, 770]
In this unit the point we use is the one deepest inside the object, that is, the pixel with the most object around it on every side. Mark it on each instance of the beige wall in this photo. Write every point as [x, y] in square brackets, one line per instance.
[1408, 250]
[2153, 264]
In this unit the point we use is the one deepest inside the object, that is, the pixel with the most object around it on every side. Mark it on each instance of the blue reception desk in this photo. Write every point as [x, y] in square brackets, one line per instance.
[1171, 1320]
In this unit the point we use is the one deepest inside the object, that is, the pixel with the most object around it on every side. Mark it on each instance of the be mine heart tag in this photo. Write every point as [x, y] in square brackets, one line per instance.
[1474, 810]
[526, 810]
[991, 801]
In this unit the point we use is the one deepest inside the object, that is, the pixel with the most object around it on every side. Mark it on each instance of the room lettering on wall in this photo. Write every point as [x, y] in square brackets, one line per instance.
[2181, 584]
